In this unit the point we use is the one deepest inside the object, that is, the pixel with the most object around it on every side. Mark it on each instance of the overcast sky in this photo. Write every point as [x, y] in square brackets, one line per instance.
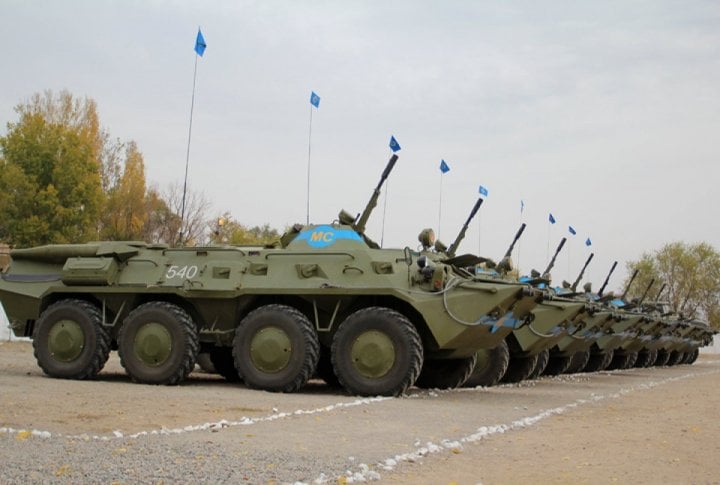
[606, 114]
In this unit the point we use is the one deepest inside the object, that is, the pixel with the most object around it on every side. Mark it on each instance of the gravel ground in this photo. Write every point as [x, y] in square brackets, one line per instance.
[206, 430]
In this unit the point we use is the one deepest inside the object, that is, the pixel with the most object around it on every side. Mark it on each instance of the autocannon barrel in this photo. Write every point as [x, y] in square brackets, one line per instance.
[359, 226]
[519, 233]
[557, 251]
[582, 272]
[607, 278]
[453, 247]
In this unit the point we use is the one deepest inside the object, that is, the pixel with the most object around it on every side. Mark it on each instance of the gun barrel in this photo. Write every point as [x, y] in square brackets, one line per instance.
[627, 288]
[607, 279]
[557, 251]
[461, 235]
[359, 226]
[662, 288]
[652, 282]
[519, 233]
[582, 272]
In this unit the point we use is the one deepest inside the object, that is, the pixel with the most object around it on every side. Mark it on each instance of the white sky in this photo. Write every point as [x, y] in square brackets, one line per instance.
[604, 113]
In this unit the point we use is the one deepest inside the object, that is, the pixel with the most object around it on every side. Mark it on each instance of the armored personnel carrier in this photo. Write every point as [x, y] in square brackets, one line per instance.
[382, 318]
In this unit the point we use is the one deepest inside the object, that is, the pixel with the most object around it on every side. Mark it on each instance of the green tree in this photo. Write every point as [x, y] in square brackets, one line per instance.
[50, 173]
[127, 210]
[224, 230]
[692, 275]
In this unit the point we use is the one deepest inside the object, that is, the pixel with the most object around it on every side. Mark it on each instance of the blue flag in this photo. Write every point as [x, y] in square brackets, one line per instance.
[588, 242]
[394, 145]
[314, 99]
[551, 219]
[200, 44]
[572, 231]
[483, 191]
[444, 167]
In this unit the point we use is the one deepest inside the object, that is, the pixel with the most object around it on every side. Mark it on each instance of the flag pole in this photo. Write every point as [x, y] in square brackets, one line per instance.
[522, 209]
[200, 46]
[307, 211]
[382, 231]
[187, 155]
[440, 206]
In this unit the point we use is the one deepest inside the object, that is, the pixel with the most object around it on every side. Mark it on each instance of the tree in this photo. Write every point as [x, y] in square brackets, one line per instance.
[126, 211]
[50, 174]
[224, 230]
[692, 274]
[191, 231]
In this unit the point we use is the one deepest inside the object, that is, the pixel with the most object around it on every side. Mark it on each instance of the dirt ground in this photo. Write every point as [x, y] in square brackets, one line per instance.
[656, 425]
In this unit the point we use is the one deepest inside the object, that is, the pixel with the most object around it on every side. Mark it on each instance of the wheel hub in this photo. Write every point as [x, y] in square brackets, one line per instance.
[66, 340]
[153, 344]
[270, 349]
[373, 354]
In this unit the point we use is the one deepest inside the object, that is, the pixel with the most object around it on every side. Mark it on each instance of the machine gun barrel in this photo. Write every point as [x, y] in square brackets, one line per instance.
[657, 298]
[359, 226]
[607, 279]
[642, 298]
[557, 251]
[582, 272]
[508, 253]
[627, 288]
[453, 247]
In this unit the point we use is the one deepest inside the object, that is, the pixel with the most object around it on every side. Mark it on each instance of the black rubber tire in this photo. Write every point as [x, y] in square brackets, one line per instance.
[557, 365]
[407, 348]
[177, 365]
[490, 367]
[622, 360]
[304, 348]
[445, 373]
[95, 346]
[599, 361]
[325, 369]
[662, 358]
[645, 358]
[578, 362]
[224, 364]
[692, 356]
[542, 362]
[675, 357]
[519, 368]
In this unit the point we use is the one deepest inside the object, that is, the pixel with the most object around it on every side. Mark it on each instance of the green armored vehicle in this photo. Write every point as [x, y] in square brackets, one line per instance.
[382, 318]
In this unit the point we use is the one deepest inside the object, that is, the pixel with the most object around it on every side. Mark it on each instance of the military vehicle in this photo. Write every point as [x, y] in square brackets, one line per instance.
[382, 318]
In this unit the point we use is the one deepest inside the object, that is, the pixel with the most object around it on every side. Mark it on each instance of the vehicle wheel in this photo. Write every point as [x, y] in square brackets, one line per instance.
[643, 358]
[662, 358]
[224, 364]
[578, 362]
[205, 364]
[632, 357]
[490, 367]
[652, 357]
[621, 360]
[519, 368]
[557, 365]
[542, 362]
[377, 351]
[276, 349]
[325, 369]
[158, 343]
[599, 361]
[445, 373]
[693, 356]
[675, 357]
[70, 341]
